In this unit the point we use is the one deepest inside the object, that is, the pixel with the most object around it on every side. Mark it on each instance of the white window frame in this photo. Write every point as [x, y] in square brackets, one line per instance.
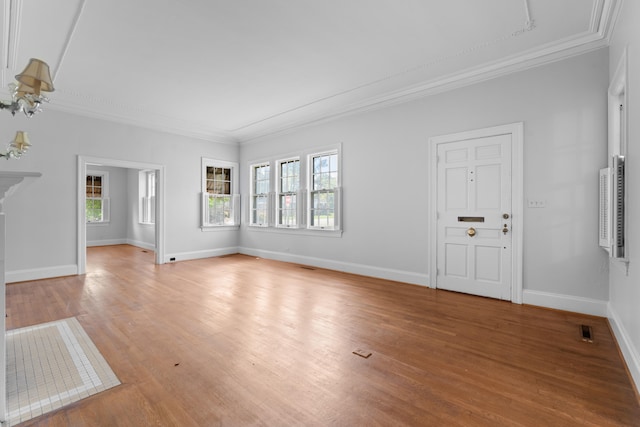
[254, 195]
[147, 197]
[298, 194]
[104, 197]
[303, 195]
[233, 196]
[336, 191]
[618, 131]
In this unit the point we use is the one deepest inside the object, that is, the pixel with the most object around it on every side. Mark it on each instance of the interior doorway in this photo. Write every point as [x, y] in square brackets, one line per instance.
[97, 166]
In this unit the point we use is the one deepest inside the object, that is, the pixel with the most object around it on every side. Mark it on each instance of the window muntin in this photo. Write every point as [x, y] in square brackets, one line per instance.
[260, 186]
[288, 188]
[96, 200]
[324, 186]
[220, 201]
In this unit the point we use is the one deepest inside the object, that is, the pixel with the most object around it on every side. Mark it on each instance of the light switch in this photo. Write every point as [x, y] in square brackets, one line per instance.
[536, 203]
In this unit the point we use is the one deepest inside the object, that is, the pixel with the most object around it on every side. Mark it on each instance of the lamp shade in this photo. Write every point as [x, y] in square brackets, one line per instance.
[21, 141]
[37, 76]
[23, 90]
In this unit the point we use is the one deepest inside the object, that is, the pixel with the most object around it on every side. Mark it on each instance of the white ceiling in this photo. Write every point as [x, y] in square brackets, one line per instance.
[235, 70]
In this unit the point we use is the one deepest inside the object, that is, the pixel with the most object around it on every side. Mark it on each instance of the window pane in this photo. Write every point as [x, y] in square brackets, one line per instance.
[287, 214]
[260, 210]
[333, 163]
[93, 210]
[261, 179]
[333, 180]
[151, 184]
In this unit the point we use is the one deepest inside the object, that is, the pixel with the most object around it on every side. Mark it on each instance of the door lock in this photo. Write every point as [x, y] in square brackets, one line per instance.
[471, 232]
[505, 216]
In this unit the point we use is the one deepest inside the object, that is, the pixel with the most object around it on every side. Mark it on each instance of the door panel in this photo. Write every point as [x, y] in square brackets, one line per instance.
[473, 194]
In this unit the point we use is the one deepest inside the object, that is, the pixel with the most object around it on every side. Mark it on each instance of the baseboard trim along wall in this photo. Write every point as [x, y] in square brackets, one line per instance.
[347, 267]
[565, 302]
[629, 353]
[210, 253]
[41, 273]
[143, 245]
[109, 242]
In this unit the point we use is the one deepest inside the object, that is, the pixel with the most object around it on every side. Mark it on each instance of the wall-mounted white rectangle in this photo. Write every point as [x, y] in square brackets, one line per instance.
[536, 203]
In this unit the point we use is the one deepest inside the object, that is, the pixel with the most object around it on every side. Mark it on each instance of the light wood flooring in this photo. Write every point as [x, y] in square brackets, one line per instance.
[240, 341]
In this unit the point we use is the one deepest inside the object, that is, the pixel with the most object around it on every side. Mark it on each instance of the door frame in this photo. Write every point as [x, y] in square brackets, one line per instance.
[516, 130]
[83, 161]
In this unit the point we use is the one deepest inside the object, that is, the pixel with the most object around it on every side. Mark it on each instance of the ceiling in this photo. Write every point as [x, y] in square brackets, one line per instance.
[232, 71]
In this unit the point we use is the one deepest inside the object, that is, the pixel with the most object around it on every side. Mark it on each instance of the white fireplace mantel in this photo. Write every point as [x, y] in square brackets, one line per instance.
[9, 182]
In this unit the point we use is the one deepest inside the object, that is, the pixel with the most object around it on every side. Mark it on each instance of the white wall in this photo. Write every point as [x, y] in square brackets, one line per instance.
[42, 218]
[385, 180]
[116, 229]
[624, 306]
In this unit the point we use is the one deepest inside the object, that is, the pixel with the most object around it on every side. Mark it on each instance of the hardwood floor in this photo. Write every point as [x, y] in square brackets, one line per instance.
[240, 341]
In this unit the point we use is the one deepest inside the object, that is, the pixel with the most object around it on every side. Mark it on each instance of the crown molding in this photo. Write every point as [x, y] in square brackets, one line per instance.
[148, 121]
[13, 32]
[609, 18]
[521, 62]
[70, 35]
[12, 12]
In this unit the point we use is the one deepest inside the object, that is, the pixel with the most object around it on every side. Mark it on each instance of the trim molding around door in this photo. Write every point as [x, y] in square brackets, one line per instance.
[83, 161]
[516, 130]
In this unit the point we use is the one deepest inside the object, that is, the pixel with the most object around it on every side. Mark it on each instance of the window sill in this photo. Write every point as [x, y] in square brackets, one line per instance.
[298, 231]
[147, 224]
[220, 228]
[98, 224]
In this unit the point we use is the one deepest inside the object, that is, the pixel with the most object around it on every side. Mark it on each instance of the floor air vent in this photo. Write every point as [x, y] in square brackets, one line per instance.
[307, 267]
[586, 333]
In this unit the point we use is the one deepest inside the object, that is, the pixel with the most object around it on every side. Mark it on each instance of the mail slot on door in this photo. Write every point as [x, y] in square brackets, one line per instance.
[470, 219]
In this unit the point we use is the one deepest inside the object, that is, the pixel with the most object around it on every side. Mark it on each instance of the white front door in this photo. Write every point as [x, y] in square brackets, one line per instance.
[474, 216]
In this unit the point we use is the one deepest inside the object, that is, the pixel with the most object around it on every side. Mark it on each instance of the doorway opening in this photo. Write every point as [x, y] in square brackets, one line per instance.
[143, 211]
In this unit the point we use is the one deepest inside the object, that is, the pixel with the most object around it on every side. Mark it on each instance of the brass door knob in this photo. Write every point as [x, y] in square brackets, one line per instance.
[471, 232]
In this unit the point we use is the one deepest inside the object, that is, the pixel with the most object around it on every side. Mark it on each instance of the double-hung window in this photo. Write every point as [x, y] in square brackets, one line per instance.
[324, 191]
[287, 197]
[297, 192]
[220, 201]
[260, 185]
[97, 197]
[147, 194]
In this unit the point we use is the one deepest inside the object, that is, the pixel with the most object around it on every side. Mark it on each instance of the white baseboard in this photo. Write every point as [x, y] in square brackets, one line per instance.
[41, 273]
[565, 302]
[210, 253]
[139, 244]
[347, 267]
[629, 352]
[108, 242]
